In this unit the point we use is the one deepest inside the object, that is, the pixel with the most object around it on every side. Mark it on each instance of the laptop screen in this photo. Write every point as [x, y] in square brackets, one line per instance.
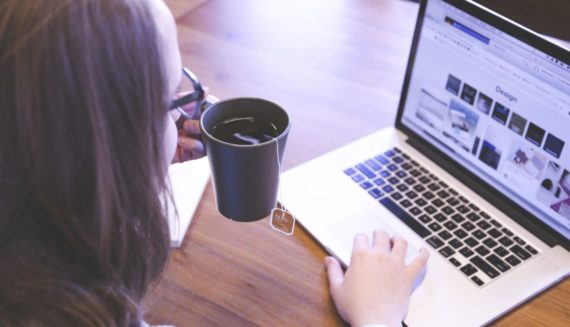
[496, 105]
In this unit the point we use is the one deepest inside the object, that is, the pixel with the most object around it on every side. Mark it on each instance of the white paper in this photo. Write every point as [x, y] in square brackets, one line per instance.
[188, 181]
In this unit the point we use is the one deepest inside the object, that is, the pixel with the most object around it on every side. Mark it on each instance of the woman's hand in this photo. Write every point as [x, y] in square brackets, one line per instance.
[189, 144]
[378, 284]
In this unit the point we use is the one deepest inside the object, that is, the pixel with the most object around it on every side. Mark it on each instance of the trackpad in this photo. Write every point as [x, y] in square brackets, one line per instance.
[340, 235]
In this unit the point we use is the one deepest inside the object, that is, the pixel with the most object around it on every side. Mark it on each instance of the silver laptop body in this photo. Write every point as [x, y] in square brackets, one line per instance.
[476, 168]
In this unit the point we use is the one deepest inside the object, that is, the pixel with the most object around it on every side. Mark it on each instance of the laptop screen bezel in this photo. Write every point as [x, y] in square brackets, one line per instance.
[480, 186]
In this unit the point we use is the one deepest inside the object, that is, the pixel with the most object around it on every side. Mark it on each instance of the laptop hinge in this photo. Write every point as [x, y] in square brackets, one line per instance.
[544, 232]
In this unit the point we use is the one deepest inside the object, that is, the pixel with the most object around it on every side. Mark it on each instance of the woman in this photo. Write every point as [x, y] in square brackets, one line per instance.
[85, 140]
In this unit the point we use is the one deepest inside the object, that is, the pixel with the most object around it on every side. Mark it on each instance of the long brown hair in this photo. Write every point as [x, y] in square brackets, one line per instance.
[83, 98]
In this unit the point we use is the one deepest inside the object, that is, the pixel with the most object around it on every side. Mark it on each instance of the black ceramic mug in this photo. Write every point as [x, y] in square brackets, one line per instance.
[245, 174]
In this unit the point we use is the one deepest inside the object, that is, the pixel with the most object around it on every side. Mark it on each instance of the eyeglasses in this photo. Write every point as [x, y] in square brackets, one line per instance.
[196, 95]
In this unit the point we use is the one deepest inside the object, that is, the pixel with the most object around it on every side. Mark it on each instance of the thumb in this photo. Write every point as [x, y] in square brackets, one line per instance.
[335, 274]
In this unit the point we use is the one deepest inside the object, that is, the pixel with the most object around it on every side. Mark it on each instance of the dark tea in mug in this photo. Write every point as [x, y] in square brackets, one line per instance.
[245, 130]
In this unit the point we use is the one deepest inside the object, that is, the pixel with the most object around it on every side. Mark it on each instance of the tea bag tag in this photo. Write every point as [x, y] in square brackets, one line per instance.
[282, 220]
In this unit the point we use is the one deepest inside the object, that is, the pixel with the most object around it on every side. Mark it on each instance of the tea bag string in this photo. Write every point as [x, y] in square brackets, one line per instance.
[285, 221]
[278, 172]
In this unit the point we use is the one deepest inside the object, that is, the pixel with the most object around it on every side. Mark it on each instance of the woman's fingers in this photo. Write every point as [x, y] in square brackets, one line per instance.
[192, 127]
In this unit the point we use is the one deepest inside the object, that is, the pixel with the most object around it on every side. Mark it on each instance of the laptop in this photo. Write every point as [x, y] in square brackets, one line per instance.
[476, 168]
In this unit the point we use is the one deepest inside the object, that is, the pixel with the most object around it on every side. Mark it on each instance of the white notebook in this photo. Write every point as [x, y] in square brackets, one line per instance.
[188, 181]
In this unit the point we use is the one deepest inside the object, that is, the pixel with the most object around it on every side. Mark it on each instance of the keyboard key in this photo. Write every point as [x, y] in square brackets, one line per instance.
[406, 166]
[482, 250]
[484, 215]
[468, 269]
[350, 171]
[512, 260]
[406, 203]
[397, 196]
[460, 233]
[415, 163]
[455, 243]
[382, 159]
[519, 240]
[429, 209]
[365, 171]
[373, 164]
[424, 180]
[412, 195]
[395, 149]
[468, 226]
[494, 232]
[448, 210]
[437, 202]
[385, 173]
[390, 153]
[405, 217]
[387, 188]
[466, 252]
[424, 219]
[401, 174]
[473, 207]
[452, 201]
[478, 234]
[483, 225]
[434, 226]
[420, 202]
[415, 173]
[450, 225]
[366, 185]
[496, 223]
[444, 235]
[435, 242]
[477, 281]
[501, 251]
[402, 187]
[443, 194]
[428, 195]
[405, 156]
[452, 191]
[446, 251]
[434, 187]
[419, 188]
[520, 252]
[455, 262]
[457, 218]
[484, 266]
[474, 217]
[392, 167]
[397, 160]
[463, 209]
[415, 211]
[498, 263]
[490, 243]
[379, 181]
[507, 231]
[471, 242]
[440, 217]
[463, 199]
[393, 180]
[531, 249]
[506, 241]
[442, 184]
[410, 181]
[358, 178]
[375, 193]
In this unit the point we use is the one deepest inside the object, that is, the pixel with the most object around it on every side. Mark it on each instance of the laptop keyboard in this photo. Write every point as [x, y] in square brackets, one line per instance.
[471, 240]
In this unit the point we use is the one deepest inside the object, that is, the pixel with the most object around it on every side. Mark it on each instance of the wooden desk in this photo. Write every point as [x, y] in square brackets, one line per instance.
[337, 66]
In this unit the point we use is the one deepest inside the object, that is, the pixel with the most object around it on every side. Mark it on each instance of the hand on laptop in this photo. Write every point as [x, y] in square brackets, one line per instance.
[377, 285]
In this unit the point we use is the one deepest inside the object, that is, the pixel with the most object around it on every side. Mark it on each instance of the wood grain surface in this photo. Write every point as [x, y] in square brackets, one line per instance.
[337, 66]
